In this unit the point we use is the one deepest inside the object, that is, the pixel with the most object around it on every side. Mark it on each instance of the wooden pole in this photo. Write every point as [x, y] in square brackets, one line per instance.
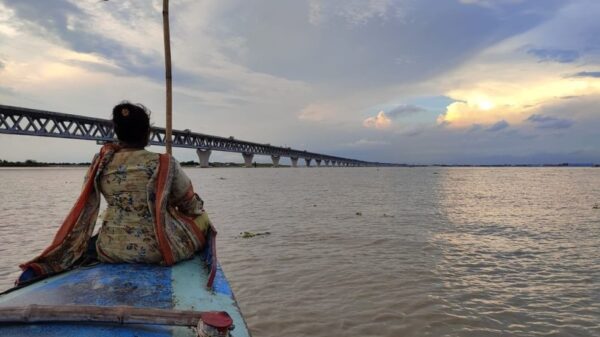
[35, 313]
[168, 77]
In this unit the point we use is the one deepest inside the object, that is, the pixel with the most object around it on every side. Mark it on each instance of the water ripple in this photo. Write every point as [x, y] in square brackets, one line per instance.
[377, 252]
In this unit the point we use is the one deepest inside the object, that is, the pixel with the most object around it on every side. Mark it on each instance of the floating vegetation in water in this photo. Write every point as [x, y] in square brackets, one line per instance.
[358, 213]
[247, 235]
[388, 215]
[221, 178]
[596, 206]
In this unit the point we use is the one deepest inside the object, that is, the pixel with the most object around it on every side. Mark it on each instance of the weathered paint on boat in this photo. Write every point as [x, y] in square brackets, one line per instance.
[181, 287]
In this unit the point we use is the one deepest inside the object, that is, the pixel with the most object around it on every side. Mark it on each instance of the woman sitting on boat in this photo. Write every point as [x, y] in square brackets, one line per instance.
[153, 214]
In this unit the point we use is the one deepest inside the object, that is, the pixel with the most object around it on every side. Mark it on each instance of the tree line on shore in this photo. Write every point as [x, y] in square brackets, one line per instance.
[35, 163]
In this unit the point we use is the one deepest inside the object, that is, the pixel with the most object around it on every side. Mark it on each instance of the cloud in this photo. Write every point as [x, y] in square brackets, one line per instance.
[501, 125]
[488, 91]
[475, 2]
[593, 74]
[415, 132]
[489, 3]
[369, 35]
[381, 121]
[515, 100]
[549, 122]
[384, 118]
[504, 81]
[95, 28]
[555, 55]
[475, 127]
[124, 39]
[405, 109]
[368, 143]
[355, 12]
[317, 112]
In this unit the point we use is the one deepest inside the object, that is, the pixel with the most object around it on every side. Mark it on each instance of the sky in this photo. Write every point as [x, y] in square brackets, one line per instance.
[404, 81]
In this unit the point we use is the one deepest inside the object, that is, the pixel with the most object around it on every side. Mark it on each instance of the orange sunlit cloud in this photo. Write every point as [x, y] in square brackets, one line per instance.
[488, 103]
[381, 121]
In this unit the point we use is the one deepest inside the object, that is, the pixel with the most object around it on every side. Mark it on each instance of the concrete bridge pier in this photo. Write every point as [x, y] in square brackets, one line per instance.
[333, 162]
[318, 162]
[203, 155]
[275, 160]
[247, 159]
[294, 161]
[307, 160]
[326, 162]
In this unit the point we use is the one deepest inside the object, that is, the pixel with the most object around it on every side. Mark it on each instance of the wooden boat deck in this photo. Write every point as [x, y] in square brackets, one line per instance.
[181, 287]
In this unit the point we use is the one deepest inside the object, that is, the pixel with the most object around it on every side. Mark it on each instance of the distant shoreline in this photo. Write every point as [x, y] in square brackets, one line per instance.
[32, 163]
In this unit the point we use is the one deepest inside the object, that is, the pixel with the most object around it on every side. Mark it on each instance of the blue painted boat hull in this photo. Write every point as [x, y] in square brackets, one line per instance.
[181, 287]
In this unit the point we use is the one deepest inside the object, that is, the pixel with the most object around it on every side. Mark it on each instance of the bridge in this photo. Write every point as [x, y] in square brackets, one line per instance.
[30, 122]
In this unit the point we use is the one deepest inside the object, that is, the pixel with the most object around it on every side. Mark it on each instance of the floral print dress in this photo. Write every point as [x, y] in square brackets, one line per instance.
[153, 216]
[128, 231]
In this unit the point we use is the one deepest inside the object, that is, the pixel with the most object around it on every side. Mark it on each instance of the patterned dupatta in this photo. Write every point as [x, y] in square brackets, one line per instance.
[72, 239]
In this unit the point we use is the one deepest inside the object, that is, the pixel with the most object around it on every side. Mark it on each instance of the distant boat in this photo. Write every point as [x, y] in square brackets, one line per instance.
[111, 287]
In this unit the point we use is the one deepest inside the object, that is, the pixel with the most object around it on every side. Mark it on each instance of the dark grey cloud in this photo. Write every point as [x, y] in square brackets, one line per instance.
[279, 39]
[49, 16]
[403, 110]
[501, 125]
[1, 65]
[555, 55]
[549, 122]
[414, 133]
[475, 127]
[51, 19]
[421, 44]
[595, 74]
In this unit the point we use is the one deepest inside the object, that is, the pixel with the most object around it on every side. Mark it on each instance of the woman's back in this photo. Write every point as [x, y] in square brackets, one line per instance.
[127, 233]
[153, 213]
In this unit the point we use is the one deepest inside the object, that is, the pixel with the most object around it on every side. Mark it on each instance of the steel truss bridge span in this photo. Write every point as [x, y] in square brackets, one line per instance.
[30, 122]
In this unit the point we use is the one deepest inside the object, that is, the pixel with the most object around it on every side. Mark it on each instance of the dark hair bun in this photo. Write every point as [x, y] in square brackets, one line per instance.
[131, 123]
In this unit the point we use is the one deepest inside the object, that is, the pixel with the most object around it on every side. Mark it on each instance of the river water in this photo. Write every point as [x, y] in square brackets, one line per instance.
[376, 251]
